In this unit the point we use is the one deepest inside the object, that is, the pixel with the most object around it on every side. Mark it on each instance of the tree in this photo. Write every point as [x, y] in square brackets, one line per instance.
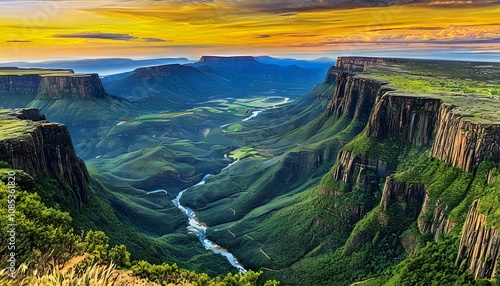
[119, 255]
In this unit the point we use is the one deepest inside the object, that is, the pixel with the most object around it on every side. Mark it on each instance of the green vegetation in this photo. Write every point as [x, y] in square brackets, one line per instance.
[10, 128]
[44, 235]
[471, 87]
[173, 275]
[434, 264]
[234, 127]
[244, 152]
[279, 209]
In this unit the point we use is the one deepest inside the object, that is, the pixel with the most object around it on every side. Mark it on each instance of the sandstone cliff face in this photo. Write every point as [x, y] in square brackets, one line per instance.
[352, 102]
[357, 63]
[362, 63]
[46, 149]
[479, 249]
[354, 96]
[353, 169]
[411, 196]
[22, 84]
[306, 163]
[75, 87]
[436, 223]
[48, 86]
[406, 118]
[421, 121]
[332, 74]
[462, 143]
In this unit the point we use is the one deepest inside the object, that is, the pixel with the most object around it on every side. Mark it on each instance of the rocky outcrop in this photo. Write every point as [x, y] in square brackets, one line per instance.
[463, 143]
[332, 74]
[406, 118]
[32, 114]
[410, 196]
[74, 87]
[305, 162]
[51, 84]
[433, 219]
[357, 63]
[354, 96]
[46, 148]
[353, 169]
[19, 84]
[479, 249]
[361, 63]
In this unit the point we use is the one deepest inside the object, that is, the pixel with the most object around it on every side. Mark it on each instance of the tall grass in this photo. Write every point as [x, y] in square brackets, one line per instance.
[93, 275]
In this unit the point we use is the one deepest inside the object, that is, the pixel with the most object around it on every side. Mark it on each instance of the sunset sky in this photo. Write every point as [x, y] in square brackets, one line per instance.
[49, 29]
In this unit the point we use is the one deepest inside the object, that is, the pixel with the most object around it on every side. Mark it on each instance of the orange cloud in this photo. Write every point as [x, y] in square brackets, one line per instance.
[174, 28]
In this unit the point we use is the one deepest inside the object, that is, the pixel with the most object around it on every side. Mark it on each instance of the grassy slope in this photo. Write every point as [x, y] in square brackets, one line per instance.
[301, 239]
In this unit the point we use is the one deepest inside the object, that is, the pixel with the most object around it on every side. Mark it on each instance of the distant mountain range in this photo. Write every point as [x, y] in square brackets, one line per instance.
[320, 63]
[213, 77]
[105, 66]
[115, 66]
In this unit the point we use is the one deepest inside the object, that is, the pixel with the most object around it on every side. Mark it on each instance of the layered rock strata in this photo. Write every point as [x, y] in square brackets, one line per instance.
[45, 148]
[479, 249]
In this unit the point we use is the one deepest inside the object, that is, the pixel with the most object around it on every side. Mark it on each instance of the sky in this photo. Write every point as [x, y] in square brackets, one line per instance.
[33, 30]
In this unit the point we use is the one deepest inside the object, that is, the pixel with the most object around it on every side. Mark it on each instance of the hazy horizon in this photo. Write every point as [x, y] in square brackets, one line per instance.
[36, 30]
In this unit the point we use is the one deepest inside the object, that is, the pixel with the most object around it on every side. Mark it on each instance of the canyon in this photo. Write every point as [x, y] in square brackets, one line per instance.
[358, 167]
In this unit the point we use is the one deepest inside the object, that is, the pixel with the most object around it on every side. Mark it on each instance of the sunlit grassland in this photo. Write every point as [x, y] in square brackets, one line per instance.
[472, 88]
[12, 127]
[243, 152]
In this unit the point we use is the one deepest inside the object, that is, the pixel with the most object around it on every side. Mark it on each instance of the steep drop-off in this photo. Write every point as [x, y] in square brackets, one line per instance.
[406, 118]
[429, 122]
[479, 249]
[74, 87]
[401, 184]
[50, 84]
[23, 84]
[463, 143]
[45, 148]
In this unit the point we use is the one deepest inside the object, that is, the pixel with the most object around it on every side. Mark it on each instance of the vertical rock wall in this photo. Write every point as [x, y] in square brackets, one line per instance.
[406, 118]
[47, 149]
[479, 249]
[463, 143]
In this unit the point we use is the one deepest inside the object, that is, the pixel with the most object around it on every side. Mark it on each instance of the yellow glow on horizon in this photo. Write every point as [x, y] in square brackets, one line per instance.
[156, 28]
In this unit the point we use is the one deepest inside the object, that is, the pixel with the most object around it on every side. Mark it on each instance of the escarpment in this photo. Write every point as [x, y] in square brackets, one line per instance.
[463, 143]
[75, 87]
[410, 196]
[406, 118]
[51, 84]
[479, 249]
[21, 84]
[44, 148]
[424, 120]
[361, 63]
[353, 96]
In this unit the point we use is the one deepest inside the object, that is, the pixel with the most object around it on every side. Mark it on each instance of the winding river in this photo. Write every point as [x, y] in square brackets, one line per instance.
[200, 229]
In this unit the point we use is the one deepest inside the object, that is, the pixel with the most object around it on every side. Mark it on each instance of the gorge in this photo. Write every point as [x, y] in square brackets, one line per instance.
[388, 167]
